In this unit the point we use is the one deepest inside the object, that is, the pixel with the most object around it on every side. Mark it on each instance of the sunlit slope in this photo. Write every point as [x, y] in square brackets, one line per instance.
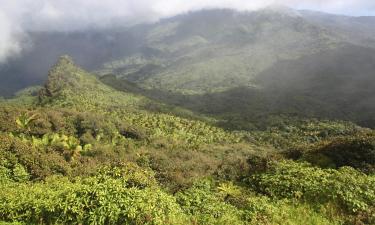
[71, 87]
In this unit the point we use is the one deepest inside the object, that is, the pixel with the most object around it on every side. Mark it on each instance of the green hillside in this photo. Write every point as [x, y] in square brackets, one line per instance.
[80, 152]
[228, 64]
[210, 51]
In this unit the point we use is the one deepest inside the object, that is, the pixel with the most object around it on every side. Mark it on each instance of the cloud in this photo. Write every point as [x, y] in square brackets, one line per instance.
[67, 15]
[11, 38]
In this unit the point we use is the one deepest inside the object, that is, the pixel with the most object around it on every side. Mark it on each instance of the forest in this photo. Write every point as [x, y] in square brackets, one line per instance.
[77, 151]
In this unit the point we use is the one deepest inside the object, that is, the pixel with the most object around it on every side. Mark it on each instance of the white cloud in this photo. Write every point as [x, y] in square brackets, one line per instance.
[78, 14]
[10, 38]
[18, 15]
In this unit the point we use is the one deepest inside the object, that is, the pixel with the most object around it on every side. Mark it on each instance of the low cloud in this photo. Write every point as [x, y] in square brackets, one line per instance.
[10, 38]
[17, 17]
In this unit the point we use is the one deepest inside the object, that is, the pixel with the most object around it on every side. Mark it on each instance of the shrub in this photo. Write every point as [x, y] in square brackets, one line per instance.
[89, 201]
[350, 189]
[38, 163]
[357, 152]
[201, 203]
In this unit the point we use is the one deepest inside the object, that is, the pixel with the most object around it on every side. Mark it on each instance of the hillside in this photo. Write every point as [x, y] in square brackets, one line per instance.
[244, 42]
[210, 51]
[230, 64]
[335, 84]
[224, 64]
[357, 30]
[81, 152]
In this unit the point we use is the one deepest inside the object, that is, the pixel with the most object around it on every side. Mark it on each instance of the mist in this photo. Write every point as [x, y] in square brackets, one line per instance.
[11, 38]
[21, 16]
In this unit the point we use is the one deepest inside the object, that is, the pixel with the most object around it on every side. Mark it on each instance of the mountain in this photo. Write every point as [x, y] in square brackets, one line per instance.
[226, 34]
[210, 51]
[358, 30]
[334, 84]
[254, 65]
[226, 64]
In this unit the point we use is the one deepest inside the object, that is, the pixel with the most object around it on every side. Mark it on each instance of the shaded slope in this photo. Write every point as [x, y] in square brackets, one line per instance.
[339, 81]
[358, 30]
[334, 84]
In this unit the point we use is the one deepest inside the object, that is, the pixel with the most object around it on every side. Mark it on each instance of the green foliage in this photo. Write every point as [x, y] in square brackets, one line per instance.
[23, 121]
[352, 190]
[90, 201]
[286, 132]
[228, 190]
[93, 155]
[66, 79]
[131, 174]
[20, 174]
[356, 151]
[192, 133]
[22, 159]
[70, 86]
[258, 209]
[201, 202]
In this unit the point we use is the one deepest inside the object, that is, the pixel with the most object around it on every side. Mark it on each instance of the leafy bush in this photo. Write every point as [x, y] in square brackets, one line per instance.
[287, 132]
[352, 190]
[205, 207]
[18, 156]
[131, 174]
[357, 151]
[89, 201]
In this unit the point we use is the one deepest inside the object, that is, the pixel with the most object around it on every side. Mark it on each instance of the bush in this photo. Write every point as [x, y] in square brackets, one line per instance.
[89, 201]
[201, 203]
[350, 189]
[19, 156]
[357, 152]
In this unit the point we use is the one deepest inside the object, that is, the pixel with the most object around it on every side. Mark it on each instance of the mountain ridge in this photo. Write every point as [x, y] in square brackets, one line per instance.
[112, 44]
[184, 59]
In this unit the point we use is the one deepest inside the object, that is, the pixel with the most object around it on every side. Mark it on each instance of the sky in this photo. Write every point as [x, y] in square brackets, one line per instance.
[19, 16]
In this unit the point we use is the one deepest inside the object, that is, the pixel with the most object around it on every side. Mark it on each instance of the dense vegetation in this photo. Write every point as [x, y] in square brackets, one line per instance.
[79, 152]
